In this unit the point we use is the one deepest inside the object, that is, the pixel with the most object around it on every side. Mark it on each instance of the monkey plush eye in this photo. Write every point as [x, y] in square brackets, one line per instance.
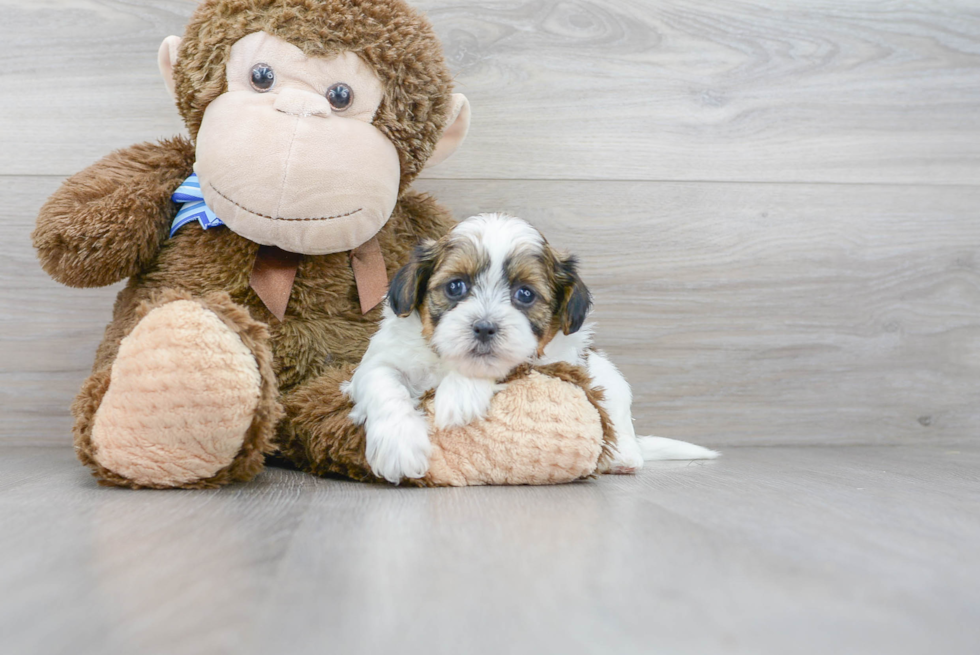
[524, 296]
[456, 289]
[340, 96]
[262, 77]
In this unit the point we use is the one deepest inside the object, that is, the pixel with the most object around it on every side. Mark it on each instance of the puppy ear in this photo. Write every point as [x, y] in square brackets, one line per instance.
[408, 287]
[573, 298]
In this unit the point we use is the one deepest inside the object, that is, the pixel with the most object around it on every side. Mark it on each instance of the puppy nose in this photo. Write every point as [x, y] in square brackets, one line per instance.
[484, 331]
[302, 103]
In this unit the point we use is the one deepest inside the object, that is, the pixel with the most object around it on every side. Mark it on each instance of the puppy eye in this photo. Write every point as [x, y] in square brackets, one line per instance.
[456, 289]
[340, 96]
[262, 77]
[524, 296]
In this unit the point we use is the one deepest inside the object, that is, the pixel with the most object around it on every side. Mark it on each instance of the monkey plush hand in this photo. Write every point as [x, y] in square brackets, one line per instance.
[257, 250]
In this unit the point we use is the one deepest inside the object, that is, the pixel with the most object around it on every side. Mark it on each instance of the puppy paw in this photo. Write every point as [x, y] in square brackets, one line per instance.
[628, 458]
[625, 464]
[398, 448]
[460, 400]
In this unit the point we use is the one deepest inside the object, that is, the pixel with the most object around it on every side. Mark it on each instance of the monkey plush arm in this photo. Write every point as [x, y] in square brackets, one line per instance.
[107, 222]
[546, 427]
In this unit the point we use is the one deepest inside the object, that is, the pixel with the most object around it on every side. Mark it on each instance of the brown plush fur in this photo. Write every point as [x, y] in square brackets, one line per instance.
[107, 223]
[111, 221]
[317, 435]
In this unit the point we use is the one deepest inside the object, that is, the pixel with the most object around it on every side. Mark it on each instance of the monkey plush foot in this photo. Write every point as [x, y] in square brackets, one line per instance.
[186, 402]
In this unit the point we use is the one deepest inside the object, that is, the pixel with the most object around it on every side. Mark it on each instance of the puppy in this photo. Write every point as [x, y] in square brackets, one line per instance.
[490, 295]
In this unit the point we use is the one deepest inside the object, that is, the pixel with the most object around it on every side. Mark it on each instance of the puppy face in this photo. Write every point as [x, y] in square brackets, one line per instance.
[491, 294]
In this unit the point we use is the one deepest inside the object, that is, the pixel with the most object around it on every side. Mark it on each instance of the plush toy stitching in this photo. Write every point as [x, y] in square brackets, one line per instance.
[273, 218]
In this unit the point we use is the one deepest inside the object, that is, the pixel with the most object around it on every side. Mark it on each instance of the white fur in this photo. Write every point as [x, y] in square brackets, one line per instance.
[400, 365]
[500, 235]
[460, 400]
[660, 448]
[617, 403]
[397, 369]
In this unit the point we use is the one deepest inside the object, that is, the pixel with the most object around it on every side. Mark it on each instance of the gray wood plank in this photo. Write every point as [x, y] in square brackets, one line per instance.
[86, 78]
[808, 90]
[767, 550]
[741, 313]
[130, 572]
[774, 313]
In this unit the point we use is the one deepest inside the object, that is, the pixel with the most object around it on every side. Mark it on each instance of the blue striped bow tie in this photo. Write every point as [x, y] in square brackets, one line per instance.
[189, 193]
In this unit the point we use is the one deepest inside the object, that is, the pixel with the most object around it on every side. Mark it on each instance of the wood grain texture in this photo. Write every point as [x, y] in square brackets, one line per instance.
[765, 551]
[774, 313]
[803, 91]
[741, 313]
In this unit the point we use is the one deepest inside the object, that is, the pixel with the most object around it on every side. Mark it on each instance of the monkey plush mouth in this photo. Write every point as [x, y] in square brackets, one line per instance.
[274, 218]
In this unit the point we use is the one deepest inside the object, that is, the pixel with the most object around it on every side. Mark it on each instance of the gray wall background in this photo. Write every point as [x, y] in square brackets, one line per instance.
[776, 204]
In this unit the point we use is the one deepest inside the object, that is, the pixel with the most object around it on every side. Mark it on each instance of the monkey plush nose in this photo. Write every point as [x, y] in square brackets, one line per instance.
[302, 103]
[484, 331]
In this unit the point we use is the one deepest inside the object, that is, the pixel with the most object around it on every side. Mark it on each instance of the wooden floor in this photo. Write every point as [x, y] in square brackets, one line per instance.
[767, 550]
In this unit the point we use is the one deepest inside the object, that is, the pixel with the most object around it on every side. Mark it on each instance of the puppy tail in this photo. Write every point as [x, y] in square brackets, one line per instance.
[660, 448]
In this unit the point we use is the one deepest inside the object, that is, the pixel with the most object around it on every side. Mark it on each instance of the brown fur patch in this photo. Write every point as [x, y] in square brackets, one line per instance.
[572, 299]
[454, 259]
[428, 323]
[407, 288]
[533, 270]
[324, 326]
[563, 299]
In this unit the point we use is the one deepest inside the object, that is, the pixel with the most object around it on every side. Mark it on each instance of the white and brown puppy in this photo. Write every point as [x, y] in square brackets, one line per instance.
[490, 295]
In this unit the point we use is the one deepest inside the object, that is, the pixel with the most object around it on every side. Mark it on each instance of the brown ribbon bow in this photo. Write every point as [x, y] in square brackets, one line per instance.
[274, 272]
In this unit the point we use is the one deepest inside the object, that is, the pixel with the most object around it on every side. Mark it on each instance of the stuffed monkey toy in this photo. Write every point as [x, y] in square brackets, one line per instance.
[257, 252]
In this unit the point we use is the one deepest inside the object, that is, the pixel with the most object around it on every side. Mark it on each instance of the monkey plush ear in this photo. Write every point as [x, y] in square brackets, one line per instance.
[573, 297]
[166, 58]
[455, 132]
[408, 286]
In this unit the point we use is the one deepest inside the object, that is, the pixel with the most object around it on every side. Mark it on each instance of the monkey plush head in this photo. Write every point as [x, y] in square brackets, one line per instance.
[311, 117]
